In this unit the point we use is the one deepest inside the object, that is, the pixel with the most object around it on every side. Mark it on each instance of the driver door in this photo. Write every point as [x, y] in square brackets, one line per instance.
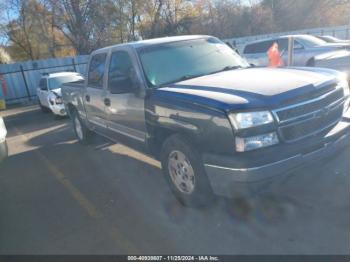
[300, 58]
[124, 101]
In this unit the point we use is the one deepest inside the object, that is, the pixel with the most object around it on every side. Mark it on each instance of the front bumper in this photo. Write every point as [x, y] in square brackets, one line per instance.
[224, 174]
[58, 110]
[3, 150]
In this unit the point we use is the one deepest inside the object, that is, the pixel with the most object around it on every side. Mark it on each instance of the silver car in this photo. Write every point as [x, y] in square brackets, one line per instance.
[306, 47]
[3, 144]
[332, 39]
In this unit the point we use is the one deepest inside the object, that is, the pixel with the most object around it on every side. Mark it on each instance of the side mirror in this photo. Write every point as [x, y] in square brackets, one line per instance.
[135, 84]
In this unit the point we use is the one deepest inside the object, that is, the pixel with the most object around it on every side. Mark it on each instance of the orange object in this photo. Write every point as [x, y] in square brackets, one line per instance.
[274, 56]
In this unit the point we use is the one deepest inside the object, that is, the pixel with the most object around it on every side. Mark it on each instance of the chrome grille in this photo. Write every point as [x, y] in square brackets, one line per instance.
[311, 117]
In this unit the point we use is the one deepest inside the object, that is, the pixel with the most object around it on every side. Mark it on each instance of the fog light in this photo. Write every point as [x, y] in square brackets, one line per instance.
[254, 142]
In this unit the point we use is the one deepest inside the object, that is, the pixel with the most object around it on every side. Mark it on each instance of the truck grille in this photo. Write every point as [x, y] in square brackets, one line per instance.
[311, 117]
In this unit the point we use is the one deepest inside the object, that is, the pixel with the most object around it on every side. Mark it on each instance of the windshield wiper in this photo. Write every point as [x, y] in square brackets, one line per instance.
[186, 77]
[183, 78]
[227, 68]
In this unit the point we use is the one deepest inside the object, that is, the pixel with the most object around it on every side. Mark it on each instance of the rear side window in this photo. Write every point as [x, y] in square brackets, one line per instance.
[97, 70]
[257, 48]
[43, 84]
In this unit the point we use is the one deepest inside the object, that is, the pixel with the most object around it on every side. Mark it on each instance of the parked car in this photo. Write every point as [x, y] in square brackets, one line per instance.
[3, 143]
[332, 39]
[306, 47]
[211, 119]
[49, 91]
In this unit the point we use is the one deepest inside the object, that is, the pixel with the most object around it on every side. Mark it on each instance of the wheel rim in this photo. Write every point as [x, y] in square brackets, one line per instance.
[181, 172]
[78, 128]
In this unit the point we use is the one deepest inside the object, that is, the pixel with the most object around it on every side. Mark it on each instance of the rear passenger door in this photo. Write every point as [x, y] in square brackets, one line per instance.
[94, 93]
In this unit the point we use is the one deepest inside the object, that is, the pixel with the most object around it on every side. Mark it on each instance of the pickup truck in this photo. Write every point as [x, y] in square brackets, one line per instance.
[207, 115]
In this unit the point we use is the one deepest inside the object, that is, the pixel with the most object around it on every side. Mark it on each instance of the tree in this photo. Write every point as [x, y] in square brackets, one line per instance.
[4, 56]
[35, 29]
[31, 35]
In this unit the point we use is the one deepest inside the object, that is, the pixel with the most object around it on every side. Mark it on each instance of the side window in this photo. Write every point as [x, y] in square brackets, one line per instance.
[264, 46]
[297, 45]
[119, 75]
[249, 49]
[283, 45]
[97, 70]
[258, 48]
[43, 84]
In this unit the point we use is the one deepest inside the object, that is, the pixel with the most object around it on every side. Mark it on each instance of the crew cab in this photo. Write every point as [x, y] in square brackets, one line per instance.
[49, 91]
[3, 143]
[210, 118]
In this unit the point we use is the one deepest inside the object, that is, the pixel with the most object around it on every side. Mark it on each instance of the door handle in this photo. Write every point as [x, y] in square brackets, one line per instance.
[107, 102]
[87, 98]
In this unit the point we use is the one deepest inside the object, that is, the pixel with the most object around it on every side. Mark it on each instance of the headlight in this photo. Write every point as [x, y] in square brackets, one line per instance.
[59, 100]
[254, 142]
[250, 119]
[56, 100]
[3, 131]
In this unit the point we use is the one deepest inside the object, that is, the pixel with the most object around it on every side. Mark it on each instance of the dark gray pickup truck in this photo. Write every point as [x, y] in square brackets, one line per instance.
[210, 118]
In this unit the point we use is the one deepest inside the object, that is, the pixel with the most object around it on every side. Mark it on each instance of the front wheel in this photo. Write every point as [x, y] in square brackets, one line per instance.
[185, 173]
[81, 131]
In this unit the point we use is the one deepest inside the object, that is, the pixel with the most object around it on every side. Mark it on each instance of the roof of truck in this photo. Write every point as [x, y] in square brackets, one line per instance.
[155, 41]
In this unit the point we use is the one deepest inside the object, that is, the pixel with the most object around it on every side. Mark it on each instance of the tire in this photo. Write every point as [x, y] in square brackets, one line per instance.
[185, 173]
[82, 133]
[3, 151]
[311, 62]
[44, 109]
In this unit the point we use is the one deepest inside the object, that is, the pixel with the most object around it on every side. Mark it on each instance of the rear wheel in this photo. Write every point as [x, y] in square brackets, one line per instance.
[311, 62]
[3, 151]
[83, 134]
[185, 173]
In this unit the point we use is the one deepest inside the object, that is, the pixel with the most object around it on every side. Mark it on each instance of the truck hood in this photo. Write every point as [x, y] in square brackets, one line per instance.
[252, 87]
[57, 92]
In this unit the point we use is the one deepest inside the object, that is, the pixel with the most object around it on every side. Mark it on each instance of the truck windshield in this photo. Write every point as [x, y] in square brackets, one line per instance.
[172, 62]
[56, 82]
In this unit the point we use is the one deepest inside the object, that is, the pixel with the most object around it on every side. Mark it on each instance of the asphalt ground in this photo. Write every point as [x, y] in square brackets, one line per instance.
[60, 197]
